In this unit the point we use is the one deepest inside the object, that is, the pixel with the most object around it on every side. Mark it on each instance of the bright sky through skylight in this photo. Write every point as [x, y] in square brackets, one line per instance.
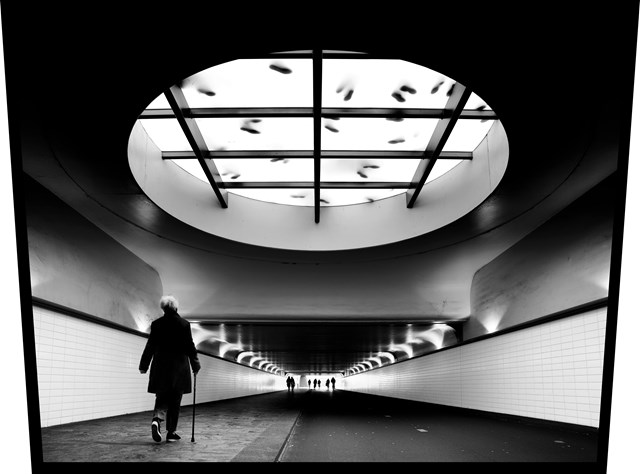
[346, 84]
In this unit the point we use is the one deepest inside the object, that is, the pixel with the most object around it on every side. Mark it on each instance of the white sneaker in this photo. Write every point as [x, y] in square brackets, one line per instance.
[155, 431]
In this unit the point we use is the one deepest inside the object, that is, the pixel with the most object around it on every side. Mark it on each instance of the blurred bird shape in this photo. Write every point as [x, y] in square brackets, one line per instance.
[396, 140]
[246, 126]
[207, 92]
[399, 97]
[280, 69]
[362, 175]
[450, 91]
[482, 107]
[409, 89]
[436, 88]
[331, 128]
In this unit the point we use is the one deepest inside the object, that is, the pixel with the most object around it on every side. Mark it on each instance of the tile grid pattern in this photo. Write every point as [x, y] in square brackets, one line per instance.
[87, 371]
[551, 371]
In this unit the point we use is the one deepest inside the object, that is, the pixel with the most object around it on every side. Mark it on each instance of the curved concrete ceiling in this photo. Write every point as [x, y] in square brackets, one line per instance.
[79, 86]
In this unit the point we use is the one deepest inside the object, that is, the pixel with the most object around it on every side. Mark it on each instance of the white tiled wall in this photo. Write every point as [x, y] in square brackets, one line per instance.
[552, 371]
[87, 371]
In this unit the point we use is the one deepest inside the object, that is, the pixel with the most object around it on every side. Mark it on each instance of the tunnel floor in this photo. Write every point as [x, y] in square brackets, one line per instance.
[315, 426]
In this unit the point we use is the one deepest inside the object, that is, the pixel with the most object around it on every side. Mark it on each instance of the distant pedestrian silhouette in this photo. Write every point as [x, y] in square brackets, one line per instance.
[309, 382]
[327, 384]
[333, 383]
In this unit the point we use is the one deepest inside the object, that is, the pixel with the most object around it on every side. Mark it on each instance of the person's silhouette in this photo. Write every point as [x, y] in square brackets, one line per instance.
[333, 383]
[172, 355]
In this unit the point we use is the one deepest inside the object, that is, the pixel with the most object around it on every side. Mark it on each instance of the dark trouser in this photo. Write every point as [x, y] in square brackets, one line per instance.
[167, 408]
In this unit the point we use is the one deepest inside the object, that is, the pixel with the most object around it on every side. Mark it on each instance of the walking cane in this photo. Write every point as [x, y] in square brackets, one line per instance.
[193, 419]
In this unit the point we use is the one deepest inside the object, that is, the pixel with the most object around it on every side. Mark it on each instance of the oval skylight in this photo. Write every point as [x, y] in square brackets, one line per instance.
[313, 150]
[256, 119]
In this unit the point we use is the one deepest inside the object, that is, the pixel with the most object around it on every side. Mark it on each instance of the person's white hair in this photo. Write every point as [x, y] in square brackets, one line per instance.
[170, 302]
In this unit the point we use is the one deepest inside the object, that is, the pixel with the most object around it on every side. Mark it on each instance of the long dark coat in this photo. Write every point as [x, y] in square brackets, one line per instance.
[171, 347]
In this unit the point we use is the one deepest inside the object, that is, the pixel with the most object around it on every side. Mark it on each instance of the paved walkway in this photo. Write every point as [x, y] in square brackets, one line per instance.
[350, 427]
[319, 426]
[249, 429]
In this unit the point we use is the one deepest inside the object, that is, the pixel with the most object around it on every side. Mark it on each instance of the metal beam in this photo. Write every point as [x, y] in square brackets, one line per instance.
[317, 129]
[313, 184]
[454, 107]
[199, 147]
[400, 113]
[308, 154]
[231, 112]
[297, 112]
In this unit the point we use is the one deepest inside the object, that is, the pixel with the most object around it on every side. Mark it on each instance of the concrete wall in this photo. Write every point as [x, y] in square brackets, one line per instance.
[76, 265]
[562, 264]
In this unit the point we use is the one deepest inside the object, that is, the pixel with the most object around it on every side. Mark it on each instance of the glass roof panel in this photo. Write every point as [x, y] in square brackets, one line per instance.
[346, 197]
[281, 133]
[467, 135]
[347, 83]
[377, 134]
[289, 196]
[333, 170]
[382, 83]
[328, 197]
[256, 169]
[375, 170]
[166, 134]
[252, 83]
[474, 102]
[380, 170]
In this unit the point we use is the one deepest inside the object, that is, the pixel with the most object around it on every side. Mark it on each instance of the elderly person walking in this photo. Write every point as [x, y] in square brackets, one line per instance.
[171, 347]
